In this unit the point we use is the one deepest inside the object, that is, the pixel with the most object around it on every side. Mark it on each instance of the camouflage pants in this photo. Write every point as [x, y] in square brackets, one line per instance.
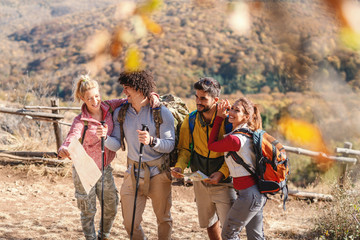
[87, 203]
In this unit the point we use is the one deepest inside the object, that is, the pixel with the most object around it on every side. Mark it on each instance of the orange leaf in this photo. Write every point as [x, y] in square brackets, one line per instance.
[151, 26]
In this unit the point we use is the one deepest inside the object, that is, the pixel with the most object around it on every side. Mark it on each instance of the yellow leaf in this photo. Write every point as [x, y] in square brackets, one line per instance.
[132, 60]
[306, 135]
[302, 133]
[150, 6]
[350, 38]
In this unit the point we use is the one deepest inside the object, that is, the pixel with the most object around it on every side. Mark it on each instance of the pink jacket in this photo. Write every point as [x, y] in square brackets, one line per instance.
[92, 144]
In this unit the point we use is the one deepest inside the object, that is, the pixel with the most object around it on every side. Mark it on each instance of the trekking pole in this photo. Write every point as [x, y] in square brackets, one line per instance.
[144, 128]
[102, 182]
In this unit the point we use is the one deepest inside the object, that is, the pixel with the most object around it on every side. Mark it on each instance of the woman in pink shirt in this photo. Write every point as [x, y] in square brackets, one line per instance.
[247, 210]
[93, 111]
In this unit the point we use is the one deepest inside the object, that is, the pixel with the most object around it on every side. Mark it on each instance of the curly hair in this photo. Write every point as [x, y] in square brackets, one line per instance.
[142, 81]
[208, 85]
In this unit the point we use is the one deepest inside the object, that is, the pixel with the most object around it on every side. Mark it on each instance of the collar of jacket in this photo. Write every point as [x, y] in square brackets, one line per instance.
[86, 116]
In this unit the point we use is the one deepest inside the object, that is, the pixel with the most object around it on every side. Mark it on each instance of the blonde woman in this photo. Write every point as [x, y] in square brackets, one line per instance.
[93, 111]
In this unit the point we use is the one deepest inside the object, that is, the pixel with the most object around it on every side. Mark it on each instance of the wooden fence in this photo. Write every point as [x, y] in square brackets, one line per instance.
[56, 118]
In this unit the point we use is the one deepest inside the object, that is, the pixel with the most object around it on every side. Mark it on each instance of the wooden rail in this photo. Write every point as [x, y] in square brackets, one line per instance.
[347, 151]
[51, 108]
[25, 112]
[31, 154]
[306, 152]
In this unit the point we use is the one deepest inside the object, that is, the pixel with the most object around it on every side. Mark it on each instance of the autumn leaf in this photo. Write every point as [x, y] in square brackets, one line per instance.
[132, 60]
[306, 135]
[151, 26]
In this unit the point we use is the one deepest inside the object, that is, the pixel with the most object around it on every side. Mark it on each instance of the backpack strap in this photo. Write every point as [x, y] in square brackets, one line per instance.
[157, 119]
[121, 119]
[228, 126]
[192, 118]
[245, 131]
[110, 108]
[240, 161]
[85, 129]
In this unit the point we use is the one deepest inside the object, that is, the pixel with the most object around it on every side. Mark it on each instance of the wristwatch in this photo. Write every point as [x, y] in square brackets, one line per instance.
[153, 142]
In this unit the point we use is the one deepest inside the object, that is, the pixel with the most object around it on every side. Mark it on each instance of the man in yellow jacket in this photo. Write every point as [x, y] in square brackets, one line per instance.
[213, 200]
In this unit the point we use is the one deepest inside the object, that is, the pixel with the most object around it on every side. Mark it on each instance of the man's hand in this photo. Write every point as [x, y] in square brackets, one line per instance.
[214, 178]
[144, 137]
[177, 172]
[63, 153]
[101, 131]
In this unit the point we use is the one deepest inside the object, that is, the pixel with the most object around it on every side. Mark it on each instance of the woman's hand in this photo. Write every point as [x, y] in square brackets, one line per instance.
[144, 137]
[63, 153]
[214, 178]
[154, 100]
[222, 108]
[101, 131]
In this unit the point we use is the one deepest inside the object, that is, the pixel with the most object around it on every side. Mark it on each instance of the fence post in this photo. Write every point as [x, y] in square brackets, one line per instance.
[57, 129]
[344, 166]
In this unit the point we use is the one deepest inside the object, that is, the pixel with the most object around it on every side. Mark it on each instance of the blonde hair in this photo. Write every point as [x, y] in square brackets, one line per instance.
[254, 122]
[82, 84]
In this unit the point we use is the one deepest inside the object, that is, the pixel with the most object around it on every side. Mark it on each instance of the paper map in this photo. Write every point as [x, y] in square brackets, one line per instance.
[88, 171]
[195, 176]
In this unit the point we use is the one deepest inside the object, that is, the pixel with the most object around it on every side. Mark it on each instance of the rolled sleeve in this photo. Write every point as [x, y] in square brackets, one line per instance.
[113, 142]
[167, 133]
[184, 145]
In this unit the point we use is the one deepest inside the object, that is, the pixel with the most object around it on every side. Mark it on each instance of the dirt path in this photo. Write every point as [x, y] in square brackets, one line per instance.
[37, 203]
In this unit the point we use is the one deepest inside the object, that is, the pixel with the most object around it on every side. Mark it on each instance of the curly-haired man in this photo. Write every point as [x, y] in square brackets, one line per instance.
[155, 179]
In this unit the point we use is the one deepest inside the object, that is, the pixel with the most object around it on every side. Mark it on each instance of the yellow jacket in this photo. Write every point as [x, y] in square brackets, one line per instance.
[201, 135]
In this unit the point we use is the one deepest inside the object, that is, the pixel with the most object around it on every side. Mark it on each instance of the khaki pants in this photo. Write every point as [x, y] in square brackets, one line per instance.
[213, 202]
[160, 195]
[87, 203]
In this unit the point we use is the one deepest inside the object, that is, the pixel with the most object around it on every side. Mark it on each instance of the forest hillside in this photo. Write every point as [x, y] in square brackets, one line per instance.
[290, 46]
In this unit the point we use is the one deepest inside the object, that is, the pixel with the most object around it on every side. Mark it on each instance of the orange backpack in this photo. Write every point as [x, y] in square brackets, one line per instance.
[272, 164]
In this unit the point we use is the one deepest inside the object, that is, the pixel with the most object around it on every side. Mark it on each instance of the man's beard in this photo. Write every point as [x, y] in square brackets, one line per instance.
[205, 109]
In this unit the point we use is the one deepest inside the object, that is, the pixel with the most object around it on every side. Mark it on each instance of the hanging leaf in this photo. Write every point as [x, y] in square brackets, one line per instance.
[149, 6]
[125, 10]
[239, 17]
[116, 43]
[151, 26]
[306, 135]
[139, 26]
[98, 43]
[350, 38]
[132, 60]
[302, 133]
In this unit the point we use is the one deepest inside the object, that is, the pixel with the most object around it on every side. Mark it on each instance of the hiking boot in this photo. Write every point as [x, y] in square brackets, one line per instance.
[105, 238]
[188, 183]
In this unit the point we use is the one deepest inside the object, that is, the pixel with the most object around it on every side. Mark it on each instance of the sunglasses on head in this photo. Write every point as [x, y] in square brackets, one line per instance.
[207, 82]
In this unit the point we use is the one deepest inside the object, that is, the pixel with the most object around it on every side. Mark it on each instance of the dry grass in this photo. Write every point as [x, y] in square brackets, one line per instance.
[340, 219]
